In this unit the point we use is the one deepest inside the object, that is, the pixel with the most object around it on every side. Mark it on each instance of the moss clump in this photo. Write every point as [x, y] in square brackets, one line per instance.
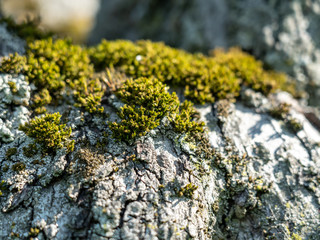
[281, 111]
[185, 121]
[58, 69]
[18, 167]
[294, 124]
[30, 151]
[249, 70]
[91, 103]
[34, 232]
[147, 102]
[13, 64]
[49, 132]
[10, 152]
[187, 191]
[13, 87]
[205, 78]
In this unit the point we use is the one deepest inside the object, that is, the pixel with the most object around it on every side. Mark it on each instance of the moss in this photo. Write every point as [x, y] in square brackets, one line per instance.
[30, 151]
[91, 103]
[13, 87]
[204, 149]
[49, 132]
[18, 167]
[132, 157]
[295, 236]
[41, 99]
[187, 191]
[249, 70]
[205, 79]
[13, 64]
[34, 232]
[294, 124]
[146, 103]
[281, 111]
[5, 168]
[184, 122]
[58, 69]
[10, 152]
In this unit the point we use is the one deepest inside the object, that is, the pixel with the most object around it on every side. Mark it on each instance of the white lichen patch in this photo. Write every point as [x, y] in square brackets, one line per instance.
[14, 97]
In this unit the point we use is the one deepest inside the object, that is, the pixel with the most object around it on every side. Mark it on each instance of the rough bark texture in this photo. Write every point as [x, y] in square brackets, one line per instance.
[250, 177]
[261, 182]
[284, 34]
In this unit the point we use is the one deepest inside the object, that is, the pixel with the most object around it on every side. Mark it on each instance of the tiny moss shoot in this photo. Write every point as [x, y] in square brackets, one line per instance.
[187, 191]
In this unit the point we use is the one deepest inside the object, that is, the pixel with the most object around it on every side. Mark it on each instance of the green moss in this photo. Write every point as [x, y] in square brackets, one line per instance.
[10, 152]
[187, 191]
[91, 103]
[49, 132]
[58, 69]
[294, 124]
[13, 64]
[13, 87]
[18, 167]
[249, 70]
[147, 102]
[34, 232]
[63, 69]
[295, 236]
[185, 121]
[30, 151]
[281, 111]
[205, 78]
[41, 99]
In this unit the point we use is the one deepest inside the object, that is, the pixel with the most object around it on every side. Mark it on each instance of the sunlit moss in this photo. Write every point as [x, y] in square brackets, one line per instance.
[147, 101]
[49, 132]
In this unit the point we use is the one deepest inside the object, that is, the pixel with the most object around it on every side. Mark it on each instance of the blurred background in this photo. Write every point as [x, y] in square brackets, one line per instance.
[285, 35]
[73, 18]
